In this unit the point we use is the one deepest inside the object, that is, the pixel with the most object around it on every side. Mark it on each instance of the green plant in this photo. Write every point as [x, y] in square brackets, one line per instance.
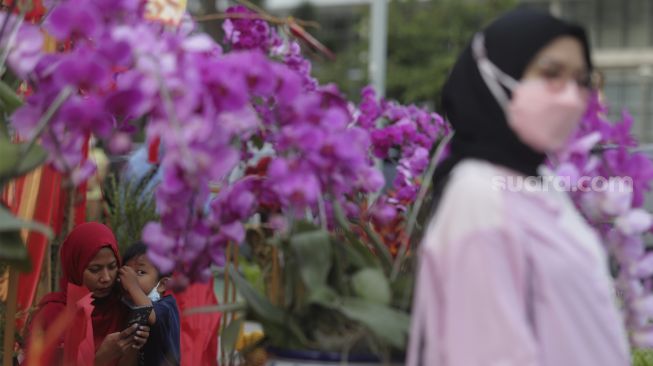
[17, 160]
[131, 206]
[642, 357]
[336, 289]
[332, 293]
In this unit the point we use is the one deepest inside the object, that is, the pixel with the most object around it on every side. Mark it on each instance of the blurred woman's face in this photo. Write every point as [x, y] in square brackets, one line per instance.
[547, 105]
[101, 272]
[560, 62]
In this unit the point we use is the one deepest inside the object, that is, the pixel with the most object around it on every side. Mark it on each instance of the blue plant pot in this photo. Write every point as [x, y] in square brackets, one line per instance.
[286, 357]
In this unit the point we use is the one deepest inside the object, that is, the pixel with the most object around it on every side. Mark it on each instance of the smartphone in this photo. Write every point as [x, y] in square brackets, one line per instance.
[139, 315]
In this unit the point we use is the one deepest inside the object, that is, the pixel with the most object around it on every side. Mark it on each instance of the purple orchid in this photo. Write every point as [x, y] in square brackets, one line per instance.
[615, 211]
[74, 20]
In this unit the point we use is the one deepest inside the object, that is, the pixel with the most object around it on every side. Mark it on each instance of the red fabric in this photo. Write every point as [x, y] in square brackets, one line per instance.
[36, 242]
[79, 303]
[153, 151]
[199, 332]
[49, 310]
[35, 12]
[107, 315]
[12, 199]
[81, 245]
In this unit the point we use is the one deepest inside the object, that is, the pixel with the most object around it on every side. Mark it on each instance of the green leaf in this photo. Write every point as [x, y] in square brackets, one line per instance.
[359, 254]
[13, 251]
[10, 153]
[371, 284]
[324, 296]
[222, 308]
[287, 336]
[34, 157]
[11, 223]
[340, 217]
[642, 357]
[354, 256]
[314, 254]
[385, 322]
[260, 305]
[379, 246]
[16, 162]
[12, 248]
[9, 98]
[388, 324]
[303, 226]
[357, 250]
[402, 290]
[229, 336]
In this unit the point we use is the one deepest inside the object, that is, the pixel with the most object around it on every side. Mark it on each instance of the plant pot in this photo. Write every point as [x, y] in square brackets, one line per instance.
[284, 357]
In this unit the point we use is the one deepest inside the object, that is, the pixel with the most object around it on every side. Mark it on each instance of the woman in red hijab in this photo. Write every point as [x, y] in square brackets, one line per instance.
[86, 316]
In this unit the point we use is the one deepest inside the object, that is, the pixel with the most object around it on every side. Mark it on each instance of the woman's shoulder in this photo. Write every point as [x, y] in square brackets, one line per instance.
[50, 305]
[470, 202]
[47, 311]
[53, 299]
[474, 185]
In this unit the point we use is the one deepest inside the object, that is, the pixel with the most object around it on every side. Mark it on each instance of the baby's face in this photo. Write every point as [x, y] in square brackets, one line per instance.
[147, 274]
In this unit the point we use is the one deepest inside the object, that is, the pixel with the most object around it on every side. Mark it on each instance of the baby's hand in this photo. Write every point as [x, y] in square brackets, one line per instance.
[128, 279]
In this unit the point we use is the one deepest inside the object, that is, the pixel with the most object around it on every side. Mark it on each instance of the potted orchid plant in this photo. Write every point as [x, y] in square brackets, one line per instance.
[337, 277]
[217, 110]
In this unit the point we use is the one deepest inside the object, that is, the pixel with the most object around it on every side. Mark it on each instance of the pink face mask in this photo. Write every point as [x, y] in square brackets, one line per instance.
[542, 117]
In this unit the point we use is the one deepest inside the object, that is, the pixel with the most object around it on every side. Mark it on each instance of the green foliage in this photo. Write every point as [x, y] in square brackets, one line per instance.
[314, 248]
[252, 273]
[229, 336]
[131, 206]
[372, 285]
[9, 101]
[424, 39]
[12, 249]
[344, 34]
[17, 160]
[642, 357]
[335, 294]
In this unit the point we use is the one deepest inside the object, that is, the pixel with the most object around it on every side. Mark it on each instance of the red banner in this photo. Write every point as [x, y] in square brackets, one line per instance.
[47, 201]
[199, 332]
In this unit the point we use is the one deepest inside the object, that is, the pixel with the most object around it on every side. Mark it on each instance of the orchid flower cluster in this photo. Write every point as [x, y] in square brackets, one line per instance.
[77, 85]
[404, 135]
[215, 113]
[603, 149]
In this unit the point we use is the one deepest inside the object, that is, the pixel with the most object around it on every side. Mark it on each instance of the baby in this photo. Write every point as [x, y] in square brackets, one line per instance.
[145, 286]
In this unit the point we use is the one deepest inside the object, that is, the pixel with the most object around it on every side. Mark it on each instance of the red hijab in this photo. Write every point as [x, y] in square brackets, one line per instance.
[79, 248]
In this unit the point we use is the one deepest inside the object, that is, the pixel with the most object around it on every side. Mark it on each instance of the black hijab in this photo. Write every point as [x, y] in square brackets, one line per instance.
[481, 129]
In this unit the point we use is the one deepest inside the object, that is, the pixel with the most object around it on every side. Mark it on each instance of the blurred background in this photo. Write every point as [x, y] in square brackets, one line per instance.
[425, 36]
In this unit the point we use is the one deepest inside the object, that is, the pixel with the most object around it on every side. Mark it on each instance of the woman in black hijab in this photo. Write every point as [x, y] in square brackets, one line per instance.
[512, 276]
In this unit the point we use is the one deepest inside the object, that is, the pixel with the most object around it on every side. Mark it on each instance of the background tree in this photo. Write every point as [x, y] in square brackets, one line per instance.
[424, 39]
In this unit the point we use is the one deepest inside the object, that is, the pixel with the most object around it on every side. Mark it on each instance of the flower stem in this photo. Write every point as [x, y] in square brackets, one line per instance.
[12, 38]
[63, 95]
[426, 184]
